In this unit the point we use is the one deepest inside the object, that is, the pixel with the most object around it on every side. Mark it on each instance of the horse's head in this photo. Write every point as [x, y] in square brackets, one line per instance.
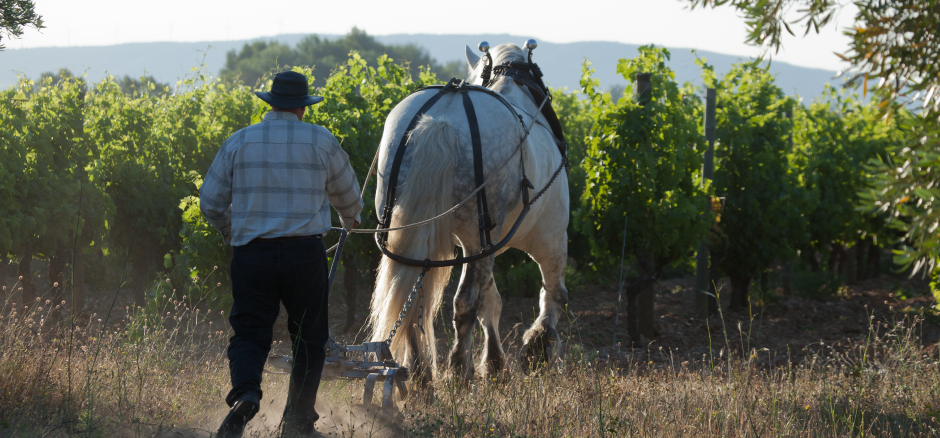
[502, 54]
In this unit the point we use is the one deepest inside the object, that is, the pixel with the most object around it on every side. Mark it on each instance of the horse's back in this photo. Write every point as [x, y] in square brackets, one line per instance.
[497, 126]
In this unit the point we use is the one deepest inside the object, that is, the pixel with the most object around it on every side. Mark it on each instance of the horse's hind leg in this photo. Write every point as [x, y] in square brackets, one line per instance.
[467, 302]
[490, 309]
[540, 340]
[421, 367]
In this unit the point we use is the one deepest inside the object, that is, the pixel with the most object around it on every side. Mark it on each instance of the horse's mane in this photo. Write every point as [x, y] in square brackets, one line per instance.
[501, 54]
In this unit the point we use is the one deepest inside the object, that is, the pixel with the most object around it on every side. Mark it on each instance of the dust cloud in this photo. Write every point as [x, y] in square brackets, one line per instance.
[337, 418]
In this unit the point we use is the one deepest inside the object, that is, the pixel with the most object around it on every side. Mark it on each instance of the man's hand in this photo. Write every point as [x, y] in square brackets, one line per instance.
[355, 224]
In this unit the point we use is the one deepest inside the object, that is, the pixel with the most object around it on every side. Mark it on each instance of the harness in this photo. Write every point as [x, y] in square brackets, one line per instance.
[485, 221]
[529, 75]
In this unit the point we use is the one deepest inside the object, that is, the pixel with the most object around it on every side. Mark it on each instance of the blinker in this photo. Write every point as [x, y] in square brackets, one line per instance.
[531, 44]
[484, 46]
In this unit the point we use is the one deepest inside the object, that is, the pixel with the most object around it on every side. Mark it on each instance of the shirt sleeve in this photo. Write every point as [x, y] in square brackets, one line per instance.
[215, 195]
[341, 184]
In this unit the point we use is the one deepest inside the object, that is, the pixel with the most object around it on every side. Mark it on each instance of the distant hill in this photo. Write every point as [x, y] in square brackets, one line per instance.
[561, 63]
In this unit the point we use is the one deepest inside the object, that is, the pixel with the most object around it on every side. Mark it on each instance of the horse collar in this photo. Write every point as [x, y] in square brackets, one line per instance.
[528, 74]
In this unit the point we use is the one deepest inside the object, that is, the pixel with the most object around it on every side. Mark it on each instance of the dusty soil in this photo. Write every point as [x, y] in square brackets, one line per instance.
[789, 327]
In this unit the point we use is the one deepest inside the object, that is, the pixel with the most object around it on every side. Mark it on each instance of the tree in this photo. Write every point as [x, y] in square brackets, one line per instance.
[894, 50]
[143, 86]
[893, 41]
[56, 78]
[15, 15]
[764, 204]
[643, 164]
[324, 56]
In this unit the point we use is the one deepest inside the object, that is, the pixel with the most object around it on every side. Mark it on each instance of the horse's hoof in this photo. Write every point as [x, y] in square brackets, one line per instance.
[490, 368]
[459, 374]
[538, 347]
[459, 367]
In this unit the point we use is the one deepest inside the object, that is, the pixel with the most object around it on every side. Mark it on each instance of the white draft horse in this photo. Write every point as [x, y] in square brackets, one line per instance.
[436, 174]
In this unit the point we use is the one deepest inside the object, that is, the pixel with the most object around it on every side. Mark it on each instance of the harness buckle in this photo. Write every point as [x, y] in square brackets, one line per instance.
[453, 83]
[486, 224]
[526, 185]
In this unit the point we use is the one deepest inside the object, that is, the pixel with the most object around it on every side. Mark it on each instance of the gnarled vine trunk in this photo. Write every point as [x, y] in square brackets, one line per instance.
[640, 300]
[813, 261]
[3, 271]
[139, 273]
[56, 272]
[25, 278]
[849, 263]
[837, 259]
[78, 283]
[861, 250]
[646, 314]
[714, 278]
[739, 290]
[874, 261]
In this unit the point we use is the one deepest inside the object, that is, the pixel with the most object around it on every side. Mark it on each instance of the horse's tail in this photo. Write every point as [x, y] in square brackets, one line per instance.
[426, 193]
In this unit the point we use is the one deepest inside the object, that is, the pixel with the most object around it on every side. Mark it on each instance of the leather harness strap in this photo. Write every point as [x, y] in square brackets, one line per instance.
[399, 156]
[529, 76]
[486, 224]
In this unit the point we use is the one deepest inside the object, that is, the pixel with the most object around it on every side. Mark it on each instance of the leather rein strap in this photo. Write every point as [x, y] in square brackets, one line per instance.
[486, 223]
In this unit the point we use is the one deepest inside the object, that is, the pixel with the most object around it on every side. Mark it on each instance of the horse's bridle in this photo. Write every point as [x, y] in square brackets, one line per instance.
[529, 75]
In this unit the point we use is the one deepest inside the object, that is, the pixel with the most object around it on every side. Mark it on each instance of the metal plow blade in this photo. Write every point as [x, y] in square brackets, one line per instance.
[371, 361]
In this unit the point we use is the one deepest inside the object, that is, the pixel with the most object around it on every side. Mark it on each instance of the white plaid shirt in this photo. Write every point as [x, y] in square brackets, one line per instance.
[278, 178]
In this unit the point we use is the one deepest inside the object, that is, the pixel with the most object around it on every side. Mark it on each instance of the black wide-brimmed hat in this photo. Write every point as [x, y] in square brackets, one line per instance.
[289, 90]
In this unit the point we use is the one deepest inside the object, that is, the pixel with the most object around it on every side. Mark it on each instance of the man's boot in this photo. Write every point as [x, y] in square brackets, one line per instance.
[243, 410]
[299, 412]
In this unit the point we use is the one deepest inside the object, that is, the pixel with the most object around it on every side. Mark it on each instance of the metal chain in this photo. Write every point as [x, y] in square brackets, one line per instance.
[564, 163]
[421, 311]
[419, 286]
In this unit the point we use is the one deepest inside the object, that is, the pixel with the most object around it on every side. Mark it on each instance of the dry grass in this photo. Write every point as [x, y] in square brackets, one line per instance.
[131, 373]
[122, 372]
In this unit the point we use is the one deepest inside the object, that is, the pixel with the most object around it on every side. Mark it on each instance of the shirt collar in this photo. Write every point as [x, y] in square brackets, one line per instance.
[280, 115]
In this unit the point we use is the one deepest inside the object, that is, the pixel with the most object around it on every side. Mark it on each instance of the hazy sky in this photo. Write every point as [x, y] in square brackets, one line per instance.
[662, 22]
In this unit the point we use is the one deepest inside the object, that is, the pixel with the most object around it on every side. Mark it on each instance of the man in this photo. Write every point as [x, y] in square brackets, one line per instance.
[269, 192]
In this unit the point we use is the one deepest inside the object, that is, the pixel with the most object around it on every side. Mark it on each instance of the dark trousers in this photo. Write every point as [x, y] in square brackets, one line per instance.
[265, 274]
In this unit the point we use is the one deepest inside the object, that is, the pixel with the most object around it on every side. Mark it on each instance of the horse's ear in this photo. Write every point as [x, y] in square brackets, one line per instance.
[472, 58]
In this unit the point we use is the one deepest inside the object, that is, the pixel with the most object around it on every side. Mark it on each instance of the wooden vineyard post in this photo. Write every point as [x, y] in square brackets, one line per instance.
[788, 266]
[640, 316]
[702, 279]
